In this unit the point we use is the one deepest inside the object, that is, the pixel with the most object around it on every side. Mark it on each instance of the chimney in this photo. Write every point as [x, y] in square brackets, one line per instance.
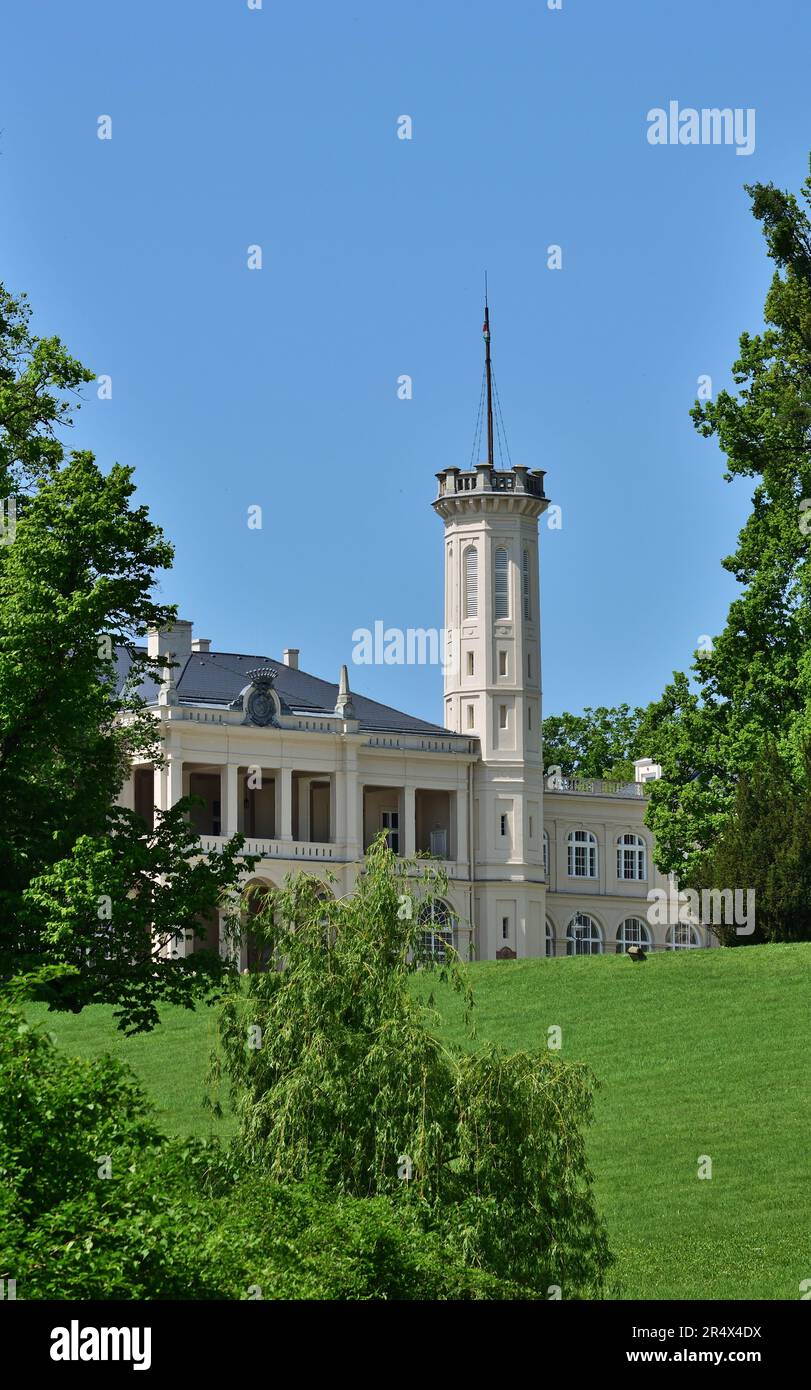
[290, 657]
[201, 644]
[176, 639]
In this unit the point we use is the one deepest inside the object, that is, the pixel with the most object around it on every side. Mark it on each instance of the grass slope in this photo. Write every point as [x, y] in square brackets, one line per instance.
[698, 1053]
[171, 1062]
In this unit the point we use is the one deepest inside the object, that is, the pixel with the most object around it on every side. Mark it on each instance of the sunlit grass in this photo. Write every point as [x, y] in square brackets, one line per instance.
[698, 1053]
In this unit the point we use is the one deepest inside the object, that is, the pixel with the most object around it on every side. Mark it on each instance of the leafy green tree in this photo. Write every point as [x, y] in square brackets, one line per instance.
[336, 1071]
[756, 682]
[76, 577]
[117, 907]
[765, 846]
[96, 1203]
[600, 742]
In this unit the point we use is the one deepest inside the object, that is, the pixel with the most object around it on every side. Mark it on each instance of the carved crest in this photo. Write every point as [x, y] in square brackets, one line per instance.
[260, 706]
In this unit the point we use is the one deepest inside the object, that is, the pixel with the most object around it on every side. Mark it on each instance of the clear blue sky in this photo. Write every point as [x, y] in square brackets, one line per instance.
[230, 388]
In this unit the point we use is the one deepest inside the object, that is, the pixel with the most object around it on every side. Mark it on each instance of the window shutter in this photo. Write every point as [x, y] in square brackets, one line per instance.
[525, 578]
[502, 609]
[471, 582]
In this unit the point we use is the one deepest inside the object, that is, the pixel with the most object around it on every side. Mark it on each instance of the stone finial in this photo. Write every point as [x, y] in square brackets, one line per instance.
[343, 705]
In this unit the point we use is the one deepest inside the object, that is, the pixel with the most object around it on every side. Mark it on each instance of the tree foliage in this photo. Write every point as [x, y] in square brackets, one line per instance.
[336, 1071]
[755, 684]
[601, 742]
[765, 846]
[96, 1204]
[76, 579]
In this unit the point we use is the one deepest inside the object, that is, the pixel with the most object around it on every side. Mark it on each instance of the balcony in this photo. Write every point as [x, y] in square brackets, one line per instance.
[280, 849]
[597, 786]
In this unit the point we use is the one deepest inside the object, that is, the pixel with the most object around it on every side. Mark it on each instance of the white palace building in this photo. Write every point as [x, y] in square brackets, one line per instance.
[310, 771]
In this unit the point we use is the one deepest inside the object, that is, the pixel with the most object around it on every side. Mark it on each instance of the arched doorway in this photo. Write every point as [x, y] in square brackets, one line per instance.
[256, 898]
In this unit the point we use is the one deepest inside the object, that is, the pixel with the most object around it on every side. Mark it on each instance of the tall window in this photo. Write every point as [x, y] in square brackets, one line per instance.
[631, 857]
[502, 591]
[436, 921]
[470, 663]
[471, 564]
[632, 932]
[390, 822]
[525, 584]
[502, 716]
[546, 853]
[682, 937]
[582, 845]
[550, 939]
[583, 936]
[502, 662]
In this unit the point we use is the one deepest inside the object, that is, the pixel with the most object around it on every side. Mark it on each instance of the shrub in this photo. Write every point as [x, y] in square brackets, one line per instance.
[336, 1071]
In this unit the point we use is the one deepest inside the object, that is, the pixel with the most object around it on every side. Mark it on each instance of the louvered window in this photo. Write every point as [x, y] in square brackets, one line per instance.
[502, 596]
[471, 582]
[525, 584]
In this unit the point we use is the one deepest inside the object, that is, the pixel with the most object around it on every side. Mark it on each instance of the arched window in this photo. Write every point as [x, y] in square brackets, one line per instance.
[632, 932]
[631, 857]
[502, 589]
[256, 908]
[550, 938]
[582, 845]
[436, 920]
[546, 853]
[583, 937]
[682, 937]
[471, 566]
[525, 585]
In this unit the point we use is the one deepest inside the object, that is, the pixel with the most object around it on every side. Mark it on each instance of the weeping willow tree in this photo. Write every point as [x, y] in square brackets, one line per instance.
[338, 1072]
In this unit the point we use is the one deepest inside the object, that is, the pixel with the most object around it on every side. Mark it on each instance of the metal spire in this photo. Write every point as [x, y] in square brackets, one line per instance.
[488, 373]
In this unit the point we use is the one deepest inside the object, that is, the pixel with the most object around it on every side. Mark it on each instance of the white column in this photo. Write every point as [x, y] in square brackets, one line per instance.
[408, 835]
[230, 819]
[349, 799]
[358, 813]
[174, 777]
[126, 797]
[304, 808]
[461, 827]
[286, 789]
[339, 808]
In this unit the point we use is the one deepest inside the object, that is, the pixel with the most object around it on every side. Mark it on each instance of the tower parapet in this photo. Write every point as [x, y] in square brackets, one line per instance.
[484, 488]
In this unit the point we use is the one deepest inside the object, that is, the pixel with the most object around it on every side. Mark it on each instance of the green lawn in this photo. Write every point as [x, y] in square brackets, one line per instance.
[698, 1053]
[171, 1062]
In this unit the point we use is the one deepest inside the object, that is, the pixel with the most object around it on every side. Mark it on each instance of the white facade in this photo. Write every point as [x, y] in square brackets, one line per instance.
[310, 773]
[493, 690]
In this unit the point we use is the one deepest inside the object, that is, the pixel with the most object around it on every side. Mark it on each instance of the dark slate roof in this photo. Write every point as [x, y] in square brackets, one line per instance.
[216, 678]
